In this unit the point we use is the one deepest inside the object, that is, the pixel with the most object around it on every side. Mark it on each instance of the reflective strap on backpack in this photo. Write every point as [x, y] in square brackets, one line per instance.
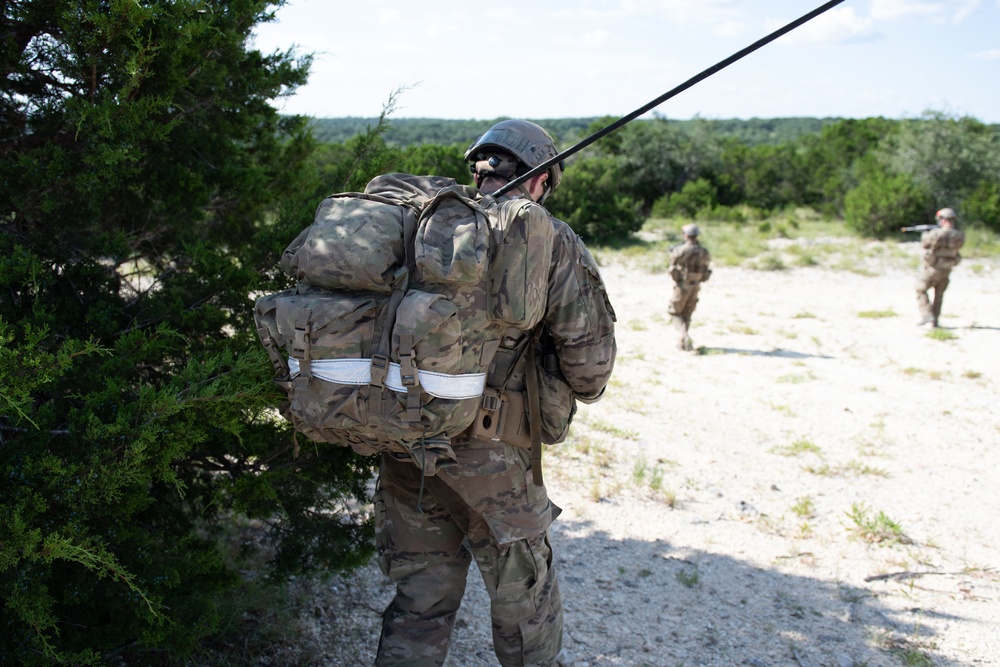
[358, 372]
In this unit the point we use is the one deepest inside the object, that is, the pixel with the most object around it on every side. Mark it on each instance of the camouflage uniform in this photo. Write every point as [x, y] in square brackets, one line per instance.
[941, 255]
[689, 268]
[486, 506]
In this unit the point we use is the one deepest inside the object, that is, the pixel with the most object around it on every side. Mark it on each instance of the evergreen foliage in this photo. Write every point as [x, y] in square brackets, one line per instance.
[413, 131]
[953, 160]
[744, 170]
[883, 202]
[593, 204]
[566, 131]
[147, 187]
[695, 197]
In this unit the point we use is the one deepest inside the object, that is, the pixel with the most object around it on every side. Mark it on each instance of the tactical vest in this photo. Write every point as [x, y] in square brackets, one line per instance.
[942, 248]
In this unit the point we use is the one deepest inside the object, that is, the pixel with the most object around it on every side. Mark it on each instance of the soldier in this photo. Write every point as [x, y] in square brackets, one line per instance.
[689, 268]
[941, 246]
[488, 507]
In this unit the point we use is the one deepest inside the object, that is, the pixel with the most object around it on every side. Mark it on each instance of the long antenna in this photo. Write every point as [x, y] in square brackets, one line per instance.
[666, 96]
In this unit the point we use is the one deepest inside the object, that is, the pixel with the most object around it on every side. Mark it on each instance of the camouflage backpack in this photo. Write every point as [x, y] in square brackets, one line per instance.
[405, 293]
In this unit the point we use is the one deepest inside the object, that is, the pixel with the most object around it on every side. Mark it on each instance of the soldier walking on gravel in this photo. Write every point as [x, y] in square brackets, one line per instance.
[941, 245]
[490, 506]
[689, 267]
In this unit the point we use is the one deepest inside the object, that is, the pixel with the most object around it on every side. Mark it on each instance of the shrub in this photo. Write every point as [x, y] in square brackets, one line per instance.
[589, 200]
[983, 206]
[696, 196]
[147, 189]
[883, 202]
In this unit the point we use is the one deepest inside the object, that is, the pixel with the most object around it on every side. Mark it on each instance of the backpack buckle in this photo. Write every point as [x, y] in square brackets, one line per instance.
[407, 362]
[491, 399]
[380, 368]
[408, 370]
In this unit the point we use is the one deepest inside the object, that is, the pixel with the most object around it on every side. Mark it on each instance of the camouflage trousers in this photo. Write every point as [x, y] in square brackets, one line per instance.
[428, 531]
[682, 305]
[936, 279]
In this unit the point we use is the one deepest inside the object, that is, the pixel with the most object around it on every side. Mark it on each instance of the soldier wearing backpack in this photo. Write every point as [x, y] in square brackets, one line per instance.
[488, 504]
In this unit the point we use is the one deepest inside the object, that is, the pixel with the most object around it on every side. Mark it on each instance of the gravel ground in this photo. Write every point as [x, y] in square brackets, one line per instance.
[817, 485]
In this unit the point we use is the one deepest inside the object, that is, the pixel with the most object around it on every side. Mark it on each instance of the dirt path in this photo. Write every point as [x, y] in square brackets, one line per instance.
[812, 488]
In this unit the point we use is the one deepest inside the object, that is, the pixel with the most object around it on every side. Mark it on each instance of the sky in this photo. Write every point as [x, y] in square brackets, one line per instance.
[576, 59]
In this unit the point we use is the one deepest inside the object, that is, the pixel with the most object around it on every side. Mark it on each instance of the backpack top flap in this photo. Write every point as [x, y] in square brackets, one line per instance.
[357, 239]
[407, 188]
[452, 240]
[354, 243]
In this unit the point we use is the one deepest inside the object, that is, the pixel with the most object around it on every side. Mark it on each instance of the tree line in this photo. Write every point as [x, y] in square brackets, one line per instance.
[447, 132]
[148, 187]
[876, 174]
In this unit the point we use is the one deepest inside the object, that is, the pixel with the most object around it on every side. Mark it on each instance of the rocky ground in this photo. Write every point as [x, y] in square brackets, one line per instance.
[818, 484]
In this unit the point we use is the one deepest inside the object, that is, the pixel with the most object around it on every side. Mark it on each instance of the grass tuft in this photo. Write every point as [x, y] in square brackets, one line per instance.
[877, 314]
[876, 528]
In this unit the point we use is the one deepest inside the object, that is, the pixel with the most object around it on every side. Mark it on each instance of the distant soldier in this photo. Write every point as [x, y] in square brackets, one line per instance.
[689, 269]
[941, 245]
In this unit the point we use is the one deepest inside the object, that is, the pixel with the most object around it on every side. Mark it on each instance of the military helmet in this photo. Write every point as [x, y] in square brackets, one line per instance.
[945, 213]
[523, 139]
[690, 229]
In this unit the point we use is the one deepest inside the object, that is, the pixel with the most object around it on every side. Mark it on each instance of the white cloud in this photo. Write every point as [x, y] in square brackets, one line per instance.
[388, 16]
[442, 31]
[836, 26]
[892, 10]
[991, 54]
[954, 11]
[965, 9]
[730, 29]
[595, 38]
[702, 11]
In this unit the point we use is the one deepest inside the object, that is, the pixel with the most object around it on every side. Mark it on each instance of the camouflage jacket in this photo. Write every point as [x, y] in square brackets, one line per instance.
[689, 263]
[576, 353]
[941, 246]
[579, 316]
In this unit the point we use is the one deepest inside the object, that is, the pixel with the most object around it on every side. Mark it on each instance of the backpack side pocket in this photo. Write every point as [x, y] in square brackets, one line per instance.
[517, 281]
[328, 339]
[429, 334]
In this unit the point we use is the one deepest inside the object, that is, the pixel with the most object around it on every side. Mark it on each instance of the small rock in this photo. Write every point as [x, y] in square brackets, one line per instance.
[844, 660]
[567, 659]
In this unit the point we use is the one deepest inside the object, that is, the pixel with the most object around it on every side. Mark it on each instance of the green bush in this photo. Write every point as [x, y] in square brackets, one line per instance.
[697, 195]
[883, 202]
[436, 160]
[589, 200]
[148, 187]
[983, 206]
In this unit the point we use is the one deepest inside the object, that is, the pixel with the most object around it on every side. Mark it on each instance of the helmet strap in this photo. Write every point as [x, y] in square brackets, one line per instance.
[503, 168]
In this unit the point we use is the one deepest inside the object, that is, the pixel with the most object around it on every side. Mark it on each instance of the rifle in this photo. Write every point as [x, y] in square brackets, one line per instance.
[665, 96]
[918, 228]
